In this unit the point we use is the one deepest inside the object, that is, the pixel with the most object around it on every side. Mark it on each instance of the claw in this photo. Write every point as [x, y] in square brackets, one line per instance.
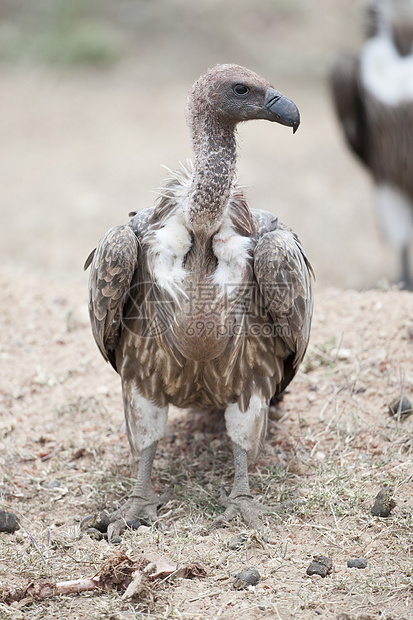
[224, 494]
[115, 529]
[99, 522]
[165, 497]
[136, 510]
[243, 506]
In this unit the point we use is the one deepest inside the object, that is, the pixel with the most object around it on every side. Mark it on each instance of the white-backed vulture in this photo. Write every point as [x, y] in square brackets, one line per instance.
[201, 301]
[373, 97]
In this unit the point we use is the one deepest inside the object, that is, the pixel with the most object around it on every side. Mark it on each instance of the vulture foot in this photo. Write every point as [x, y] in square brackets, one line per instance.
[134, 512]
[245, 507]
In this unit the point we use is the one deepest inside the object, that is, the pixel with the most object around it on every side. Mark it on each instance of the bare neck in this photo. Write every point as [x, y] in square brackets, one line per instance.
[214, 147]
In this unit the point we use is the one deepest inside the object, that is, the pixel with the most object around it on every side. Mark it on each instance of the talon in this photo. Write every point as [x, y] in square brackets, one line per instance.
[115, 529]
[99, 522]
[84, 524]
[165, 497]
[224, 494]
[245, 507]
[136, 511]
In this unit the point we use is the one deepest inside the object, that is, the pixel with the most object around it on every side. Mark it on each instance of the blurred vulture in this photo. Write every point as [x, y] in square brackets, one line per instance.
[373, 97]
[201, 301]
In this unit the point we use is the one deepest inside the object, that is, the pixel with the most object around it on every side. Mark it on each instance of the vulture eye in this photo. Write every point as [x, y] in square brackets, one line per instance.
[241, 89]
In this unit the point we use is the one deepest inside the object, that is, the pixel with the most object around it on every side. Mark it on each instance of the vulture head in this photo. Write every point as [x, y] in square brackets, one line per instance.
[233, 94]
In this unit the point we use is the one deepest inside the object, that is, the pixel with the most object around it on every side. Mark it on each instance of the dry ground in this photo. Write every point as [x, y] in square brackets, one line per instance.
[65, 455]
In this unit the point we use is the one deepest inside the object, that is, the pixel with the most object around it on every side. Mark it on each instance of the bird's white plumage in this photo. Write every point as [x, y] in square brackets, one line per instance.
[172, 243]
[395, 210]
[384, 73]
[145, 422]
[243, 428]
[232, 252]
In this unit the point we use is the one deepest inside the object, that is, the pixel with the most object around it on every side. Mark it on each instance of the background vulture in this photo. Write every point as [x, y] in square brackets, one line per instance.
[201, 301]
[373, 97]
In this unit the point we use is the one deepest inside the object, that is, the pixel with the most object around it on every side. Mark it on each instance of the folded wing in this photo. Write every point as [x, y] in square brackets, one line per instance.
[284, 275]
[113, 264]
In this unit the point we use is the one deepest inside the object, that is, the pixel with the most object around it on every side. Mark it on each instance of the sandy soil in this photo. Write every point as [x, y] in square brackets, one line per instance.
[65, 455]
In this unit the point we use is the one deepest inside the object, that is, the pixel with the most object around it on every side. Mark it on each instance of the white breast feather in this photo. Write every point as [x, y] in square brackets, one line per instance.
[232, 252]
[172, 243]
[384, 73]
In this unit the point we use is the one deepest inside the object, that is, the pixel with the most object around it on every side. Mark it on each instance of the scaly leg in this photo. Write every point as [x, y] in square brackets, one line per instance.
[406, 279]
[247, 431]
[240, 501]
[142, 504]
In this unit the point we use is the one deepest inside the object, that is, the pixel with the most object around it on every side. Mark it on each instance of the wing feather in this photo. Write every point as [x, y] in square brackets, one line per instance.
[113, 264]
[348, 101]
[284, 275]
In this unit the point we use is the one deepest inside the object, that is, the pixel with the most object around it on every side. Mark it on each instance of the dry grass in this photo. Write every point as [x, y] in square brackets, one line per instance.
[66, 455]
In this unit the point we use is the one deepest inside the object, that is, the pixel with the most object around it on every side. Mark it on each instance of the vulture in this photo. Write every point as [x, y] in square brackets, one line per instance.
[373, 97]
[200, 301]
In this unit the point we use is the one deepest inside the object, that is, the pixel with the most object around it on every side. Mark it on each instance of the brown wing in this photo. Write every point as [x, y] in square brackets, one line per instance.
[284, 275]
[113, 264]
[348, 102]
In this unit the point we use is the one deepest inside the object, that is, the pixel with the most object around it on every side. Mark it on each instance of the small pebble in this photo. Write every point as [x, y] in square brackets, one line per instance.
[237, 542]
[320, 566]
[400, 407]
[384, 503]
[357, 563]
[8, 522]
[116, 540]
[247, 577]
[53, 483]
[143, 529]
[341, 353]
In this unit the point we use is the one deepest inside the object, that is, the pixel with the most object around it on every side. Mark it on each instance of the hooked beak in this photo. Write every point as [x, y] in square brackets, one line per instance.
[283, 110]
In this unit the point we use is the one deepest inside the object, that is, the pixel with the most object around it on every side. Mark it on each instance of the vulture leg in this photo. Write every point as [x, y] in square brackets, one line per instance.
[142, 504]
[145, 425]
[240, 501]
[406, 278]
[247, 431]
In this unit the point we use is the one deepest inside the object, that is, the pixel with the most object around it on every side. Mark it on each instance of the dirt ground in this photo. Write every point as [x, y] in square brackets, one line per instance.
[65, 455]
[79, 149]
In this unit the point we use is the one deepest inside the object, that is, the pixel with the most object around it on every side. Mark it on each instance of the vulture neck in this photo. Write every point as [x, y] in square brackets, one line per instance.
[214, 147]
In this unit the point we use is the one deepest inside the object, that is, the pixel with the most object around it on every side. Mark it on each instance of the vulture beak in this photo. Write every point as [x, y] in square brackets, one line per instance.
[283, 110]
